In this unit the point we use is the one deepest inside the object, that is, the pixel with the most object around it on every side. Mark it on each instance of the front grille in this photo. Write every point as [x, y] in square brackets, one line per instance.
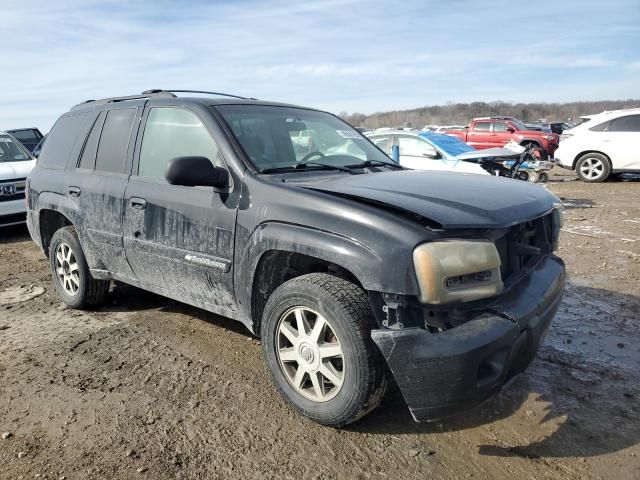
[522, 245]
[12, 189]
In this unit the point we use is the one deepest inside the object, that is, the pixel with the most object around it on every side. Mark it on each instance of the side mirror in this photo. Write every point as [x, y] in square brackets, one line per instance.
[431, 153]
[510, 129]
[196, 172]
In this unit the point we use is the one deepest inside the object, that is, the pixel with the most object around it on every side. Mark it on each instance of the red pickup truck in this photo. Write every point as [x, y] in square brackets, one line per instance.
[498, 131]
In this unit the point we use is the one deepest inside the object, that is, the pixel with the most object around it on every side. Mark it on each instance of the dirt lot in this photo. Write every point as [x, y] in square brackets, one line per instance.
[150, 388]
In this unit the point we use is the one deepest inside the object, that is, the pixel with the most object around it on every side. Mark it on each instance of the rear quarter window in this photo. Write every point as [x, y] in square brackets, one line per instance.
[61, 141]
[114, 141]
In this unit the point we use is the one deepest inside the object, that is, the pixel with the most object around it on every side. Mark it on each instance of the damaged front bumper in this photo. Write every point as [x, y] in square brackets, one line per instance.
[442, 374]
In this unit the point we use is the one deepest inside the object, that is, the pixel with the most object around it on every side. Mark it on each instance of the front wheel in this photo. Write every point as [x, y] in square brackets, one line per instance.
[317, 344]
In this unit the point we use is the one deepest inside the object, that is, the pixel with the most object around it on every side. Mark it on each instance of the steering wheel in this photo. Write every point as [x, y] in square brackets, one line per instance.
[311, 155]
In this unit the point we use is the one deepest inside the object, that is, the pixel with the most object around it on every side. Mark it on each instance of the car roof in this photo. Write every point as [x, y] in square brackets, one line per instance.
[226, 99]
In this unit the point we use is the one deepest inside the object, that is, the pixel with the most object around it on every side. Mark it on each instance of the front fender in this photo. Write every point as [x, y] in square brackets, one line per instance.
[389, 269]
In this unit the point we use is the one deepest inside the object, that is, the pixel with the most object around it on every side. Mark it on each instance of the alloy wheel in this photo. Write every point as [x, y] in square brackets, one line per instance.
[67, 269]
[592, 168]
[310, 354]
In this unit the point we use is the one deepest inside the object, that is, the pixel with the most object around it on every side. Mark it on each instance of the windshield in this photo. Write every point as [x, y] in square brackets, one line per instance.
[11, 150]
[281, 137]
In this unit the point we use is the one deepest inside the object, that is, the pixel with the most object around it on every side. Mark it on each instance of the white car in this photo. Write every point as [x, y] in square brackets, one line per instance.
[604, 144]
[418, 153]
[15, 164]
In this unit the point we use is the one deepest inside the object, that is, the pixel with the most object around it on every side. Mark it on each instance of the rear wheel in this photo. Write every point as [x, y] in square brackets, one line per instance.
[317, 344]
[71, 277]
[543, 177]
[593, 168]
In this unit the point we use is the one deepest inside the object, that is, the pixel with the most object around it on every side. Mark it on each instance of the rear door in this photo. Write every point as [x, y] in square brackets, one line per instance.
[480, 134]
[98, 182]
[621, 141]
[179, 240]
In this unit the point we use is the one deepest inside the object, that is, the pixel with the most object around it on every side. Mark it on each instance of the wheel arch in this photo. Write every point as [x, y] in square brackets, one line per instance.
[50, 222]
[277, 252]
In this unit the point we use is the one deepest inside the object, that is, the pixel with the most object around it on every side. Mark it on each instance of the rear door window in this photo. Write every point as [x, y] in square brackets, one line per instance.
[61, 140]
[114, 142]
[628, 123]
[88, 159]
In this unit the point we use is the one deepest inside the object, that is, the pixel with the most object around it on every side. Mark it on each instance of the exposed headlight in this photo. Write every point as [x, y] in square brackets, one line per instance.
[550, 137]
[565, 136]
[457, 271]
[558, 222]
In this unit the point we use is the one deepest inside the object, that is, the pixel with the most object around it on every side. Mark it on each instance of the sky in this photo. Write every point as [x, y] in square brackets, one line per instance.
[336, 55]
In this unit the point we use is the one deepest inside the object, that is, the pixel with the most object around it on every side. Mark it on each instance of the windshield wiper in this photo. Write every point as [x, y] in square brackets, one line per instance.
[375, 163]
[302, 166]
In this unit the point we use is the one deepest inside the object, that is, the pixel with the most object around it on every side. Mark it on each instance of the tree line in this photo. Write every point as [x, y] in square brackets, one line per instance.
[462, 113]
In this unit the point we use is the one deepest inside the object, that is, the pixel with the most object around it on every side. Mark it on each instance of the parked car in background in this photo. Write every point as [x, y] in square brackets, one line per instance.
[38, 149]
[349, 270]
[427, 151]
[15, 164]
[29, 137]
[541, 127]
[490, 132]
[604, 144]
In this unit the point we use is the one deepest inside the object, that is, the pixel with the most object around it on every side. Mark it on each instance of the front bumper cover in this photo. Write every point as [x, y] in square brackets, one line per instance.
[447, 373]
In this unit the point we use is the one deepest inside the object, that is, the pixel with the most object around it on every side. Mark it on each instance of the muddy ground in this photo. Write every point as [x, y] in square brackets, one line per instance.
[149, 388]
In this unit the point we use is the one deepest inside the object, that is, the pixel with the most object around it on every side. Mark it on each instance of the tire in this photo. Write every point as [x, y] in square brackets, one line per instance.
[534, 177]
[71, 277]
[543, 177]
[522, 175]
[593, 168]
[361, 370]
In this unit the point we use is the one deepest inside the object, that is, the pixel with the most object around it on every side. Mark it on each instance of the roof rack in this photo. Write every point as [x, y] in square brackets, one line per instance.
[157, 90]
[145, 94]
[153, 93]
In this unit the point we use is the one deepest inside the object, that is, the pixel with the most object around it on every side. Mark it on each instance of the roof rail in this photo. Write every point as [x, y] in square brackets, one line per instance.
[154, 91]
[145, 94]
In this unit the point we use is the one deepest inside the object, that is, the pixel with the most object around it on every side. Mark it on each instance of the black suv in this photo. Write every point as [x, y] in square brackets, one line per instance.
[29, 137]
[352, 270]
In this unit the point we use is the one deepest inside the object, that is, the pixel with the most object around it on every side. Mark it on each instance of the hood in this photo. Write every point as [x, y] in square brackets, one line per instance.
[454, 200]
[13, 170]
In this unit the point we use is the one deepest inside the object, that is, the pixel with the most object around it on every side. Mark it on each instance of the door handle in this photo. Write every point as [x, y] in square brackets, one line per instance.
[74, 191]
[137, 203]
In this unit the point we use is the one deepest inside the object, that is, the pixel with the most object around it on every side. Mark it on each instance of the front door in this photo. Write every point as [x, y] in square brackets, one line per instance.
[501, 136]
[179, 240]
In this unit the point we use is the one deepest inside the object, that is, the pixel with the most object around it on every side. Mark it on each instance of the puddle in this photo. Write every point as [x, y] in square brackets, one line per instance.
[602, 329]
